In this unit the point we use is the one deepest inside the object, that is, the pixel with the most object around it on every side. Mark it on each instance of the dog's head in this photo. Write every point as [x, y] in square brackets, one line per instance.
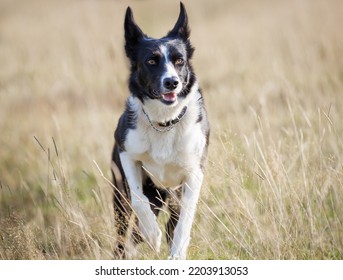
[160, 68]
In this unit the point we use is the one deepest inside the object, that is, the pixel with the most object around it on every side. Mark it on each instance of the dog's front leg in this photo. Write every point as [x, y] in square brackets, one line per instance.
[140, 204]
[189, 202]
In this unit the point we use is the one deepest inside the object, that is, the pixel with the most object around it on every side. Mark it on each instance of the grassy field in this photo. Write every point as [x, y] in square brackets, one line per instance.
[272, 76]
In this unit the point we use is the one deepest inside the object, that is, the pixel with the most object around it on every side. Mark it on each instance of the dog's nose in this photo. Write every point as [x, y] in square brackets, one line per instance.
[170, 83]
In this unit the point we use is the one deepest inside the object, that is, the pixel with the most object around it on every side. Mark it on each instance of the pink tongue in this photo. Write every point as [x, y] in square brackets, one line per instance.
[169, 96]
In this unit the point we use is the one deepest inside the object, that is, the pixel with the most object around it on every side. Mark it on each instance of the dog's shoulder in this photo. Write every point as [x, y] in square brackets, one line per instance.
[202, 116]
[127, 121]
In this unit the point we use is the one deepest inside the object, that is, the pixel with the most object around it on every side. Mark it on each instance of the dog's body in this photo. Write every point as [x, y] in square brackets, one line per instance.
[161, 139]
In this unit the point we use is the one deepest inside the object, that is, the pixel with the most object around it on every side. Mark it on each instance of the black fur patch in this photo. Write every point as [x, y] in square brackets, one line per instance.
[128, 120]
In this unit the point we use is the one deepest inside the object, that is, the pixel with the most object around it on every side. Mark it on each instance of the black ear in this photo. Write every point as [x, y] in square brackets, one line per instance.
[181, 28]
[133, 34]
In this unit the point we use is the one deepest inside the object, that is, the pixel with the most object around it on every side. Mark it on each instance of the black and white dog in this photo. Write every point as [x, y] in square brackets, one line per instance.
[161, 140]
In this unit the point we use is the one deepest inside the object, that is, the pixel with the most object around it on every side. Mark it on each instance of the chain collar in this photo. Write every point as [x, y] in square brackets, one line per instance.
[166, 126]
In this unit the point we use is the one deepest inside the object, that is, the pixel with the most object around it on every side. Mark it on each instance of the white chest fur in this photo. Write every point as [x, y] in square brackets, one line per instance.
[166, 157]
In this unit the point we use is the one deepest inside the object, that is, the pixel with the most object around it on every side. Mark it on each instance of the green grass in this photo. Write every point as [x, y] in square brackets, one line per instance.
[272, 76]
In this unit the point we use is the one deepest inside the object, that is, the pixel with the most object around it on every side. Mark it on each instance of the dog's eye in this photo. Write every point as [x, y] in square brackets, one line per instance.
[179, 61]
[152, 61]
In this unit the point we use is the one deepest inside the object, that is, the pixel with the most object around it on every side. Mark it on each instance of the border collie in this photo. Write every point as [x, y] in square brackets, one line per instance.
[160, 142]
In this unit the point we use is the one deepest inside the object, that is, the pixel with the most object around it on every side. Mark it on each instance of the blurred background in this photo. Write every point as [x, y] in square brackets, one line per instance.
[272, 77]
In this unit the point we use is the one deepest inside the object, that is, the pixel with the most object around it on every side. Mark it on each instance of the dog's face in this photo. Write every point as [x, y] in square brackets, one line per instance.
[160, 68]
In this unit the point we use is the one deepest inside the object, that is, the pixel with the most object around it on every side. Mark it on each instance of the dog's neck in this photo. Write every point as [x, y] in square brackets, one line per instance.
[168, 125]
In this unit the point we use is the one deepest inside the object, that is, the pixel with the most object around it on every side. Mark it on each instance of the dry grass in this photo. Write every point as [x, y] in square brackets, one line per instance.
[272, 75]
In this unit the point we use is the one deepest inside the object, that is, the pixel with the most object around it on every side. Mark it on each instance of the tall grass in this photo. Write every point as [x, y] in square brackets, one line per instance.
[272, 76]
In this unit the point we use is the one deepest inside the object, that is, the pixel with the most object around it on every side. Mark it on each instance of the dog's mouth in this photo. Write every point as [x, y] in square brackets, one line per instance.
[169, 97]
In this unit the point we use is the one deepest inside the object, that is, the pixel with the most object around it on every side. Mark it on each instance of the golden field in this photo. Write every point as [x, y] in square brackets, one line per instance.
[272, 77]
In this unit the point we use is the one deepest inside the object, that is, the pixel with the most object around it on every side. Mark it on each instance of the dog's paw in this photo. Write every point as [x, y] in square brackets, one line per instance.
[176, 257]
[151, 234]
[178, 253]
[148, 225]
[150, 230]
[173, 257]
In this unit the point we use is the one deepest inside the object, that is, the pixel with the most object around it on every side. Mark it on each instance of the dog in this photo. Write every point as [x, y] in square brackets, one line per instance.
[161, 141]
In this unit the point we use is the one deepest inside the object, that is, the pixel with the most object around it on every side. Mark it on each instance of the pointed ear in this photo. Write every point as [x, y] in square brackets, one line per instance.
[181, 28]
[133, 34]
